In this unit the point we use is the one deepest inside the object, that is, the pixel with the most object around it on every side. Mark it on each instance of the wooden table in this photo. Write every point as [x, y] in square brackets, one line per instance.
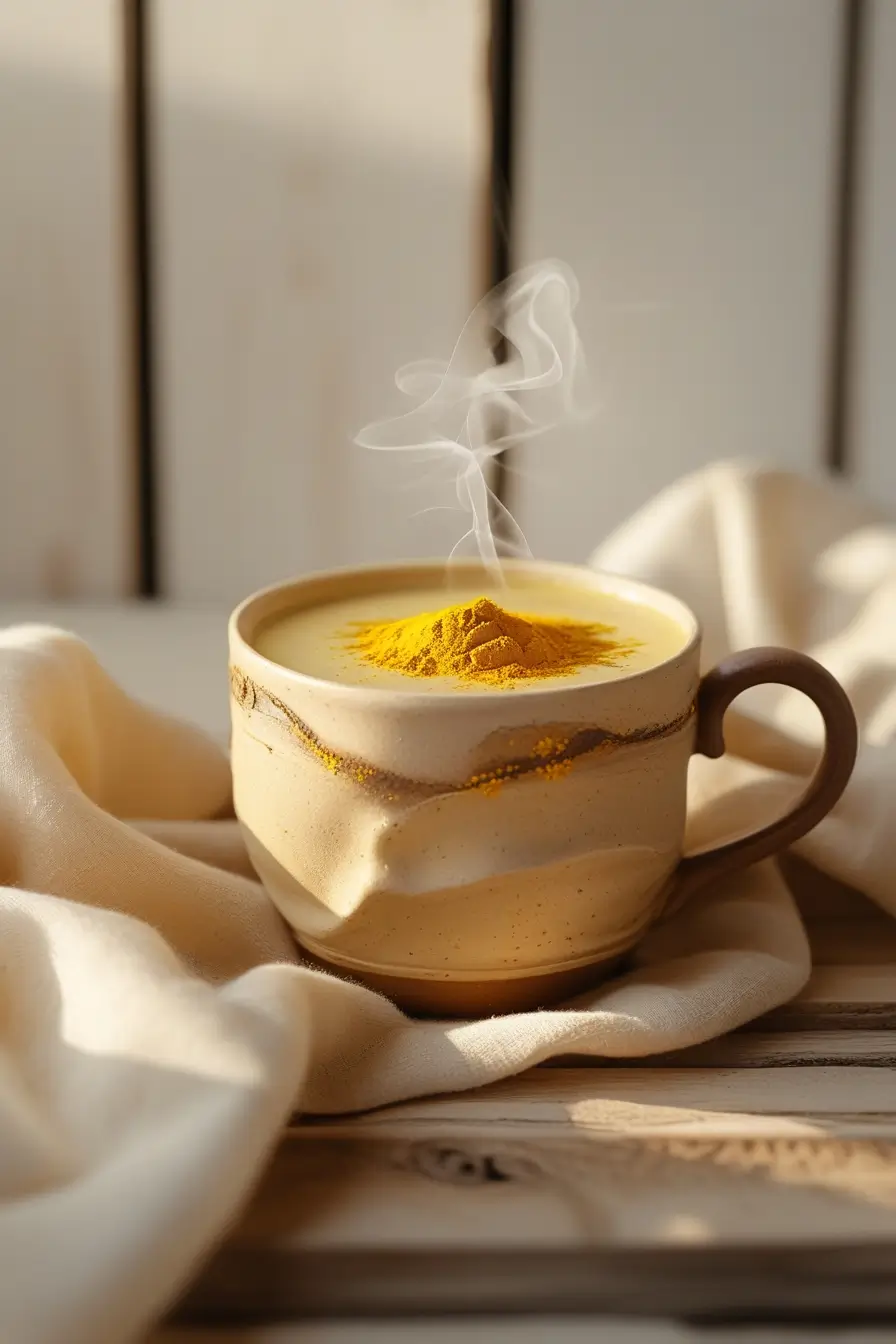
[751, 1180]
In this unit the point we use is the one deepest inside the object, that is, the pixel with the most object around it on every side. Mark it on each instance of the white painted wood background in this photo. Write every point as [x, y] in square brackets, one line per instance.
[319, 176]
[680, 156]
[322, 196]
[66, 492]
[874, 392]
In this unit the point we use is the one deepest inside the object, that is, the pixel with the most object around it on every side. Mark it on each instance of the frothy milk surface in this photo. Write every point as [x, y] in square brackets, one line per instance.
[315, 640]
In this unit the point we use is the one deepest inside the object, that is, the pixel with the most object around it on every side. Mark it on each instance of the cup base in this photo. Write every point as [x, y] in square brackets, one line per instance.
[474, 998]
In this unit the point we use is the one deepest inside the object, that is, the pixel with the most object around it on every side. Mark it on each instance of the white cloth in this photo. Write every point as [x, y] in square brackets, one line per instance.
[156, 1027]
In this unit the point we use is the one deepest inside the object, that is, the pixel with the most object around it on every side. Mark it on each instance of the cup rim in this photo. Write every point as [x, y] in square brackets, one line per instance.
[618, 585]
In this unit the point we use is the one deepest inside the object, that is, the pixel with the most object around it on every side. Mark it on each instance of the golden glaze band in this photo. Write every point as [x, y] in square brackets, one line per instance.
[552, 756]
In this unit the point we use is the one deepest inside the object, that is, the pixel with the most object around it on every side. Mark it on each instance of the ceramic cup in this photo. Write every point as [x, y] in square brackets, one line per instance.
[405, 854]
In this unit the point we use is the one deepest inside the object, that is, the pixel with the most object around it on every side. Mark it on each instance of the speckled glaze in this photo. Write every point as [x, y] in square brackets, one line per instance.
[467, 851]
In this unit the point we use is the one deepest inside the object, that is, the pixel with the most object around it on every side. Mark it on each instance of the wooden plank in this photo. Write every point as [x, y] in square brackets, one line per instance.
[873, 400]
[523, 1330]
[770, 1050]
[66, 515]
[321, 175]
[680, 157]
[629, 1191]
[848, 1102]
[857, 997]
[254, 1284]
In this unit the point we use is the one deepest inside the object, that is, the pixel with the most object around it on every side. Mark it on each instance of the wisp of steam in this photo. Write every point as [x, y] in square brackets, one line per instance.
[473, 408]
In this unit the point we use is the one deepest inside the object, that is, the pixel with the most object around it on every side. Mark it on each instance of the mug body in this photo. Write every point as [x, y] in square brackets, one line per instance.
[463, 852]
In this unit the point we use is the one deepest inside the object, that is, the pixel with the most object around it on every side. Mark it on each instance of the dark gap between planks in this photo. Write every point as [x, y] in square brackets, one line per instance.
[503, 36]
[135, 32]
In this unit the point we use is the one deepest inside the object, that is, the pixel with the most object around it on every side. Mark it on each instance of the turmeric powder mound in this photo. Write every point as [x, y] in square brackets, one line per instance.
[481, 642]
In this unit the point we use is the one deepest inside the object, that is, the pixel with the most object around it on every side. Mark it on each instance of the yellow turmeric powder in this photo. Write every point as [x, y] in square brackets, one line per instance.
[481, 642]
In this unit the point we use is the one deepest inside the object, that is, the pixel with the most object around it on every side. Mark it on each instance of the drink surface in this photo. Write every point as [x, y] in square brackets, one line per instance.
[317, 640]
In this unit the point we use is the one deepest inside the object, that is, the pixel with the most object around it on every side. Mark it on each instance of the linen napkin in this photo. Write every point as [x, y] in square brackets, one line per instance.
[157, 1027]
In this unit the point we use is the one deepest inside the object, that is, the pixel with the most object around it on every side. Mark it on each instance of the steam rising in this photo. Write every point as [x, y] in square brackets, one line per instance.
[472, 408]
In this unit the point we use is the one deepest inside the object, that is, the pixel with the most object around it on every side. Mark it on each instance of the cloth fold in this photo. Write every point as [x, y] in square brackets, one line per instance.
[157, 1028]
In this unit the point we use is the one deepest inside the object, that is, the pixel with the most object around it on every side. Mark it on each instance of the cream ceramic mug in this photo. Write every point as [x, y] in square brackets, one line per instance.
[385, 827]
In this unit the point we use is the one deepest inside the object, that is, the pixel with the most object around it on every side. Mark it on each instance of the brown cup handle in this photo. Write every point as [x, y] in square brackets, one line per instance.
[717, 689]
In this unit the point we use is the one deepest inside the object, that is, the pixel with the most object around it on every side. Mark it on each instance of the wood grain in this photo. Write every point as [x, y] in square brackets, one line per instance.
[719, 1190]
[823, 1283]
[696, 211]
[845, 1101]
[66, 503]
[523, 1330]
[855, 997]
[822, 1046]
